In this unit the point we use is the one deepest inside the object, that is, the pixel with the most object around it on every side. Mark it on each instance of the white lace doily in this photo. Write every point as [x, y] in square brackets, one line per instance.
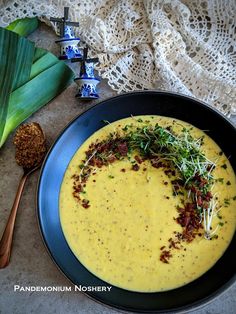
[187, 46]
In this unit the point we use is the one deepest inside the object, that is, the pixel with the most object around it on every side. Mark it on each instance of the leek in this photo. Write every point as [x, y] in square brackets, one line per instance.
[29, 78]
[23, 27]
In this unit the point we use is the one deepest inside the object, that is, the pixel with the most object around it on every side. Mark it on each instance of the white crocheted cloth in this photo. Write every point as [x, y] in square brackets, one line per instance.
[187, 46]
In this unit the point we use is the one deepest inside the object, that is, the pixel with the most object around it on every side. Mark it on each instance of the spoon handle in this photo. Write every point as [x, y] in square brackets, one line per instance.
[6, 241]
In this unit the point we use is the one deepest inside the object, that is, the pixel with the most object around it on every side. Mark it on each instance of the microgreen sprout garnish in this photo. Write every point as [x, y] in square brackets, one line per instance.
[181, 157]
[182, 150]
[81, 175]
[105, 122]
[208, 214]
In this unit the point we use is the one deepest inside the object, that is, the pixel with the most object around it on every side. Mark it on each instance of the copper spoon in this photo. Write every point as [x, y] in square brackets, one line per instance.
[7, 237]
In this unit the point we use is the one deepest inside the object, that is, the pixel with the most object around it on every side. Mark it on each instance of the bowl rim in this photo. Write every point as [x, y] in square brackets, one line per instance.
[181, 309]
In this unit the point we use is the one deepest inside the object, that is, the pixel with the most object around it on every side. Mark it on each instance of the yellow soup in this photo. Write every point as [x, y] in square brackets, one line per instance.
[131, 217]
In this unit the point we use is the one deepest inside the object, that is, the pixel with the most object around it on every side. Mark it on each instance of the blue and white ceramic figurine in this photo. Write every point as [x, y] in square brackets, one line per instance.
[86, 81]
[68, 42]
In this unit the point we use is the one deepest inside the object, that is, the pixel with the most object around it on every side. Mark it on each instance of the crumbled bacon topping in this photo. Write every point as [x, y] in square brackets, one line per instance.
[138, 159]
[189, 219]
[109, 151]
[165, 256]
[85, 203]
[122, 148]
[135, 167]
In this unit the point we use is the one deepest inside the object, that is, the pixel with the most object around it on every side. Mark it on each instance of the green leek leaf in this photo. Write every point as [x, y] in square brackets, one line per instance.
[43, 64]
[29, 78]
[24, 27]
[39, 52]
[15, 65]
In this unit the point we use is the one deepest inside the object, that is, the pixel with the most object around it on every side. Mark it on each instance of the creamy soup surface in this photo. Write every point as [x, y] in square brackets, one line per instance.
[131, 215]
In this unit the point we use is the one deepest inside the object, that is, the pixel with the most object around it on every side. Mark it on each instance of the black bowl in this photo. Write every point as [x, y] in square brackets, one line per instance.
[194, 294]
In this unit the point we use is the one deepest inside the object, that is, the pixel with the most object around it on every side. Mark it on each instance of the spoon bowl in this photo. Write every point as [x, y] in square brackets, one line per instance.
[22, 144]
